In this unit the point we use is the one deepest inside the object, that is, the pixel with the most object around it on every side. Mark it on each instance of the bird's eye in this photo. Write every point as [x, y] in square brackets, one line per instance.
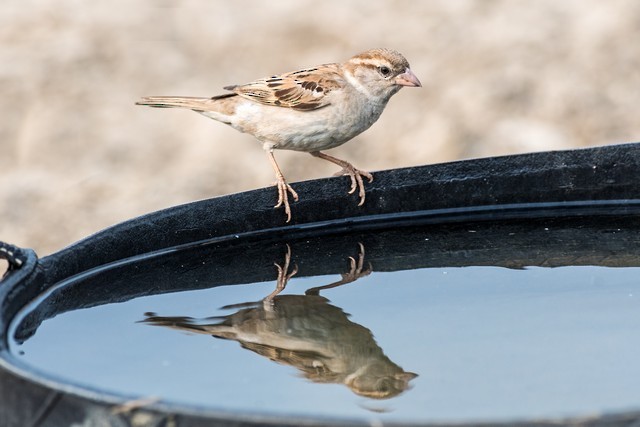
[385, 71]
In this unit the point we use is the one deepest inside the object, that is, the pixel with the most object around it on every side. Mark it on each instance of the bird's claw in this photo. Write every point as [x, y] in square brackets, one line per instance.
[356, 180]
[283, 196]
[283, 275]
[357, 269]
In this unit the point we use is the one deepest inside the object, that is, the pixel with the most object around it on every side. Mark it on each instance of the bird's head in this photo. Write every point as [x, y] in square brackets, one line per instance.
[380, 72]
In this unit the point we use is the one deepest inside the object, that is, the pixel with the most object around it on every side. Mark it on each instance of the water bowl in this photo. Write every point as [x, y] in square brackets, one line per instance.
[482, 292]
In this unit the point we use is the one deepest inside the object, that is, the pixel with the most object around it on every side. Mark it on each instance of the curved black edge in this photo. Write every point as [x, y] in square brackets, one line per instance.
[546, 241]
[18, 286]
[32, 404]
[601, 173]
[598, 174]
[25, 403]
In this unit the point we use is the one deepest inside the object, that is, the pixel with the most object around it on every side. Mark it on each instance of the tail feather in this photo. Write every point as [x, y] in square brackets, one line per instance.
[193, 103]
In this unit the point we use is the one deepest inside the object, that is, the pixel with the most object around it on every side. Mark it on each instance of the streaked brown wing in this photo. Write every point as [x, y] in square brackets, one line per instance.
[302, 90]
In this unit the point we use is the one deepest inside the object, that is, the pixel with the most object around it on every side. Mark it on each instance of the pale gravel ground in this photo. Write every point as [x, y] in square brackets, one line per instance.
[500, 77]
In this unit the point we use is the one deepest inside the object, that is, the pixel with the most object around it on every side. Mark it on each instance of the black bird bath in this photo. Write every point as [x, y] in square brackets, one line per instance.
[491, 291]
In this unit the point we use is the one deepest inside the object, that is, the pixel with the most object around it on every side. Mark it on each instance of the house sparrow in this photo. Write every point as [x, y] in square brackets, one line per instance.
[309, 110]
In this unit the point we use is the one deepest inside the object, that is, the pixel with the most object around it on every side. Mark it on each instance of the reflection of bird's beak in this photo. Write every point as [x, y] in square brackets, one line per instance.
[408, 79]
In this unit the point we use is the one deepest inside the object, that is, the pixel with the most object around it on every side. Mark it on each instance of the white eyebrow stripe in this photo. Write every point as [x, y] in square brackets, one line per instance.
[365, 61]
[356, 84]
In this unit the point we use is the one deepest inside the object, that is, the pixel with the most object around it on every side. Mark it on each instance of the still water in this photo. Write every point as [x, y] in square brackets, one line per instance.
[474, 342]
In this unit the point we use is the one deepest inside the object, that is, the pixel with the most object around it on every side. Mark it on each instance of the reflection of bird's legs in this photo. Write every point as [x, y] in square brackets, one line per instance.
[355, 272]
[348, 169]
[283, 275]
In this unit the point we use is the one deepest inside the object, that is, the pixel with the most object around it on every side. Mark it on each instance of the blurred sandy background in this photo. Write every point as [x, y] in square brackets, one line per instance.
[499, 77]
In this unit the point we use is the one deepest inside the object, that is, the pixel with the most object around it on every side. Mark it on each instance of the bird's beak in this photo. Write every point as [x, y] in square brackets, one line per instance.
[408, 79]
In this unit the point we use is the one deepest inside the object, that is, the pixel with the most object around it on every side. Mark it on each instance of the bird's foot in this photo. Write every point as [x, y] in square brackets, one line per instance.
[356, 271]
[357, 182]
[283, 275]
[283, 195]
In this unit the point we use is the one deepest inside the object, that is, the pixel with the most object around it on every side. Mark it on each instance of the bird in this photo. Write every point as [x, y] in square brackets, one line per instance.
[309, 110]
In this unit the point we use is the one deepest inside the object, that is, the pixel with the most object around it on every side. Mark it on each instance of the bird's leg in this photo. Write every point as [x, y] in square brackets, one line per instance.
[283, 276]
[283, 188]
[356, 271]
[348, 169]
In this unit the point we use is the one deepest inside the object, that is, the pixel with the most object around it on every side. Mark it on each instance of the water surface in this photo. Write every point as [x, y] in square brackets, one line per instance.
[441, 343]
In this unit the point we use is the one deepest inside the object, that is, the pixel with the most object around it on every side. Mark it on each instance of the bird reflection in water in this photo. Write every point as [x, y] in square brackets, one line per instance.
[308, 333]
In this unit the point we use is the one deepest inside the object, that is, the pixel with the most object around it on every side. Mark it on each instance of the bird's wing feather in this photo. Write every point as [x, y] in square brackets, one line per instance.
[303, 90]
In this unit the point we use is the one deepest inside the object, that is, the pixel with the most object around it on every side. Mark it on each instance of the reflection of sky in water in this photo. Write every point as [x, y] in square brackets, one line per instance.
[486, 342]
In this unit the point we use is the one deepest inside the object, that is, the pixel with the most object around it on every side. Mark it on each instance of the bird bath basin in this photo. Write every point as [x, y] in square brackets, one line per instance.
[496, 290]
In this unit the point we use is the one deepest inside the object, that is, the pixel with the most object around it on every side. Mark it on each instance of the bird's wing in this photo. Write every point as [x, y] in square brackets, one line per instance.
[303, 90]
